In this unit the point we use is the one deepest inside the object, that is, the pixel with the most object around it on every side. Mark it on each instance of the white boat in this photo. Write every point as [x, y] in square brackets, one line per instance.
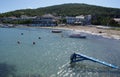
[103, 27]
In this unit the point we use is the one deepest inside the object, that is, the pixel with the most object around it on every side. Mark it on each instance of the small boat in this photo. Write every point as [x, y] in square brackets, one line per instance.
[77, 36]
[56, 31]
[103, 27]
[75, 57]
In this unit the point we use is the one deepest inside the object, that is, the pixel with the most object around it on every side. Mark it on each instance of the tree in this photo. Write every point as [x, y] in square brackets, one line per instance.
[114, 23]
[62, 20]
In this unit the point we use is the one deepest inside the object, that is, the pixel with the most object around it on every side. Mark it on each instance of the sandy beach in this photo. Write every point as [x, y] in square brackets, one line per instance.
[108, 33]
[91, 29]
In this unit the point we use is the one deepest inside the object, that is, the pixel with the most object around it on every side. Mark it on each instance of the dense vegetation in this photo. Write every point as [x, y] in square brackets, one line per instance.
[101, 15]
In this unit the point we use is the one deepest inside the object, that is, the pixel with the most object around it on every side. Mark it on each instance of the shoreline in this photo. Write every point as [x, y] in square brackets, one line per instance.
[106, 33]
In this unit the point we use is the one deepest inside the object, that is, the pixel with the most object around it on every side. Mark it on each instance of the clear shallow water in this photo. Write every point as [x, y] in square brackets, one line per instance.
[49, 57]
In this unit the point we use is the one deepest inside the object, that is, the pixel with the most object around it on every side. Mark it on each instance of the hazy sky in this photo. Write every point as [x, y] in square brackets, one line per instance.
[11, 5]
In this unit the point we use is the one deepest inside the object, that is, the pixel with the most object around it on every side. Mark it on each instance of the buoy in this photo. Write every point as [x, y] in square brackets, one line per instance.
[33, 43]
[21, 33]
[18, 42]
[39, 37]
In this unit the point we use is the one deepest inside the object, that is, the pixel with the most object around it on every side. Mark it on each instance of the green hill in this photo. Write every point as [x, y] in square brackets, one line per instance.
[100, 15]
[71, 9]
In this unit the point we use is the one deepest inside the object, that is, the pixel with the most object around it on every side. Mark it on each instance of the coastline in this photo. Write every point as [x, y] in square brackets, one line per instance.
[91, 29]
[106, 33]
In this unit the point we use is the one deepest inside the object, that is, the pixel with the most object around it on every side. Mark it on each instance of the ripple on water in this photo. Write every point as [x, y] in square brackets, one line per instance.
[50, 55]
[83, 70]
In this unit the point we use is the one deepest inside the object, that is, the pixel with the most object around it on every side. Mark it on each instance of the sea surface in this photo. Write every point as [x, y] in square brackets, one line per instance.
[50, 55]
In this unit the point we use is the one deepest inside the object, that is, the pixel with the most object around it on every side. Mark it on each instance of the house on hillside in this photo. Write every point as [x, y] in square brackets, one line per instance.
[45, 20]
[70, 20]
[79, 20]
[25, 17]
[8, 18]
[13, 18]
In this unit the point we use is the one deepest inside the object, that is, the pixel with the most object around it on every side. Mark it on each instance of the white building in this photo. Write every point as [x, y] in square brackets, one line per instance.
[88, 19]
[45, 20]
[70, 20]
[24, 17]
[79, 20]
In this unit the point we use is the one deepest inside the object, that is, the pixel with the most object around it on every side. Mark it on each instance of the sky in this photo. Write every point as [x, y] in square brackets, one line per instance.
[11, 5]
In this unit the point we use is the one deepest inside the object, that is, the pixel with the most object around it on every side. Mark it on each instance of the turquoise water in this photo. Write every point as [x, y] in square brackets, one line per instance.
[49, 57]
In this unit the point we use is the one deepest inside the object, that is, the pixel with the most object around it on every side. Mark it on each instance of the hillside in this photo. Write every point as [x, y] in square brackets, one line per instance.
[67, 10]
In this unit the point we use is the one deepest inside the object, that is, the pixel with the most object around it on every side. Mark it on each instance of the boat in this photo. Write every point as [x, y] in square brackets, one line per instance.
[77, 36]
[56, 31]
[76, 57]
[103, 27]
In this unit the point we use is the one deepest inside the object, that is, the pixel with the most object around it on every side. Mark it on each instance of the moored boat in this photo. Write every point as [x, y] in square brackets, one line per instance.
[56, 31]
[77, 36]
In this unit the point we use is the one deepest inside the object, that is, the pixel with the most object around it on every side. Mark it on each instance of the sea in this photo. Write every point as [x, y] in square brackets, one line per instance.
[37, 52]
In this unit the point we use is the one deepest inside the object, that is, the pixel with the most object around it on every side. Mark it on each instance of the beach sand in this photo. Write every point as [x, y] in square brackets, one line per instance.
[108, 33]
